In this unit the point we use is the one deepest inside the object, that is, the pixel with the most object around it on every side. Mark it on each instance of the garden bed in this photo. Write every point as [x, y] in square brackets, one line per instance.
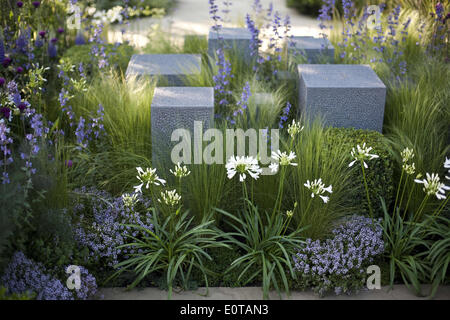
[355, 196]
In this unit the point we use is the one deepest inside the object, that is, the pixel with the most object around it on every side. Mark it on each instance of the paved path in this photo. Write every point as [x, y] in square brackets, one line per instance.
[400, 292]
[192, 17]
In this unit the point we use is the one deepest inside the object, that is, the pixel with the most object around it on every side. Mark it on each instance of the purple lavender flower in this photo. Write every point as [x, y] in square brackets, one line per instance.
[284, 116]
[52, 50]
[79, 39]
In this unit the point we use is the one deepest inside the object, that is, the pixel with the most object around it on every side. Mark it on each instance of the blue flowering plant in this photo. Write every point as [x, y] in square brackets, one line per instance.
[339, 264]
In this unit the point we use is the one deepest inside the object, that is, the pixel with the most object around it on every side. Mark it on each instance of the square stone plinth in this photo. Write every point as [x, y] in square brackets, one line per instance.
[344, 95]
[178, 108]
[236, 39]
[172, 69]
[315, 49]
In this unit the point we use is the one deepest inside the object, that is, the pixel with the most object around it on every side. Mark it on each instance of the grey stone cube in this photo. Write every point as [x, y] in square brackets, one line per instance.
[172, 69]
[237, 39]
[315, 49]
[344, 95]
[177, 108]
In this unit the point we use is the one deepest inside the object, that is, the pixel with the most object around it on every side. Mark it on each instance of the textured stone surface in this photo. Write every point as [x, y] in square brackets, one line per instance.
[315, 49]
[172, 69]
[177, 108]
[237, 39]
[345, 95]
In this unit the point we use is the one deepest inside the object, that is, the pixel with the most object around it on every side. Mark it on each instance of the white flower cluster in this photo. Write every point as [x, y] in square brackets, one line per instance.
[102, 16]
[170, 198]
[180, 171]
[147, 177]
[432, 185]
[362, 154]
[407, 155]
[317, 187]
[243, 165]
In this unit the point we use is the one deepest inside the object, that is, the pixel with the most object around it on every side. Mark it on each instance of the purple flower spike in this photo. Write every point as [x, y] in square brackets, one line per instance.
[68, 163]
[6, 112]
[22, 106]
[2, 81]
[54, 40]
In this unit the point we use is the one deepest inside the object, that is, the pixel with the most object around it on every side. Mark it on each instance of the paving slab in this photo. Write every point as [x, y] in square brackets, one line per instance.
[399, 292]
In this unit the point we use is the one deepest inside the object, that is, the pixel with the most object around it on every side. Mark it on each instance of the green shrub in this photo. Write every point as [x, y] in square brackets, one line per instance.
[379, 174]
[119, 56]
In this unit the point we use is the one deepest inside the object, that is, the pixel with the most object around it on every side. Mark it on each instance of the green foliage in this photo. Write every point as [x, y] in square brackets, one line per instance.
[439, 252]
[119, 56]
[403, 240]
[127, 125]
[265, 247]
[15, 296]
[379, 175]
[174, 248]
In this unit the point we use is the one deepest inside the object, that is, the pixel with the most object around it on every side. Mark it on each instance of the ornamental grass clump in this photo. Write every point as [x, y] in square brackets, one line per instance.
[339, 264]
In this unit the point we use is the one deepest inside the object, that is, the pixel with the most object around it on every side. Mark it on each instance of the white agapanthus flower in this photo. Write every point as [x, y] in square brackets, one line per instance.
[100, 17]
[433, 186]
[115, 14]
[129, 200]
[294, 128]
[147, 177]
[283, 158]
[362, 154]
[242, 166]
[273, 167]
[447, 166]
[407, 154]
[317, 188]
[170, 198]
[410, 169]
[180, 171]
